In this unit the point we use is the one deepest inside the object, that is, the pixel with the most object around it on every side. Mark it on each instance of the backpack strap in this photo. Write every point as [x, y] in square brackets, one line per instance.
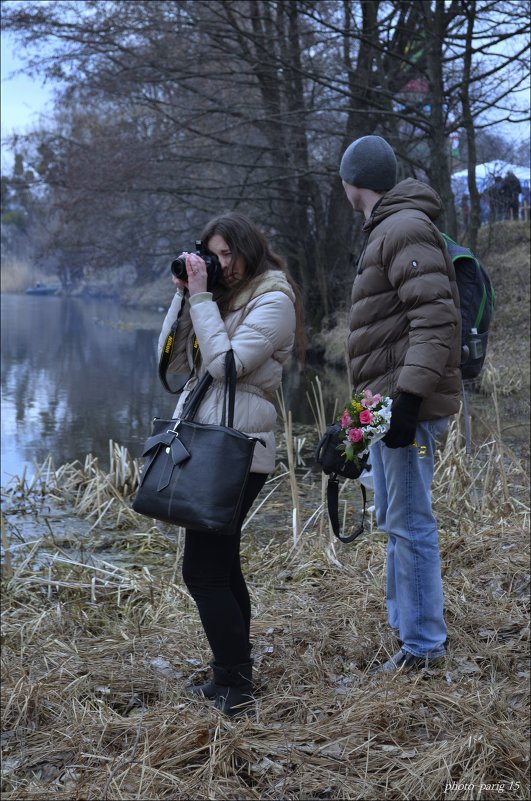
[332, 497]
[457, 251]
[466, 416]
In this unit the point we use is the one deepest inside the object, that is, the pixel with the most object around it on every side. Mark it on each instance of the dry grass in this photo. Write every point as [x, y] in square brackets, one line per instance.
[17, 275]
[100, 635]
[96, 652]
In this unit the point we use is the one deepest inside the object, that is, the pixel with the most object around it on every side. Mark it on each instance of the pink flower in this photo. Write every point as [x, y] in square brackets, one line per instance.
[367, 398]
[346, 420]
[355, 434]
[365, 417]
[376, 399]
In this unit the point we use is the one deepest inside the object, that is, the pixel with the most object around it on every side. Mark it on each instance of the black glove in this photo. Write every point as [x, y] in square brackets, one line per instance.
[404, 415]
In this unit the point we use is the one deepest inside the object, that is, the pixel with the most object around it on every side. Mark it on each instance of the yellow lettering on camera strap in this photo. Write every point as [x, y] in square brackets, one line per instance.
[166, 356]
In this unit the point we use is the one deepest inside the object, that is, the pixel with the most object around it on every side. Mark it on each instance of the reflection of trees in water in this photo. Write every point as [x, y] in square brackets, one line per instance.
[110, 395]
[73, 383]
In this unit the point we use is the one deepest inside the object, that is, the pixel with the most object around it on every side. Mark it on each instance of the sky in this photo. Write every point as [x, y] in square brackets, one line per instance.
[22, 98]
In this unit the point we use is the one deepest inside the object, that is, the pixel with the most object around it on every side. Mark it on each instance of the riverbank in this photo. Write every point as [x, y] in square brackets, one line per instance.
[100, 638]
[503, 248]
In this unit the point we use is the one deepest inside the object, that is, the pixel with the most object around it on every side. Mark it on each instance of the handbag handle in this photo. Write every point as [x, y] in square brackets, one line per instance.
[193, 402]
[230, 389]
[332, 496]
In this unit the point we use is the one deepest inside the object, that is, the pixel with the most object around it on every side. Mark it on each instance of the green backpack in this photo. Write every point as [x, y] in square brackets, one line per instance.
[477, 298]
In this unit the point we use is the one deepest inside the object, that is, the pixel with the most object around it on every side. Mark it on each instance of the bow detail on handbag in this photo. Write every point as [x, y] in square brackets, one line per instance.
[175, 450]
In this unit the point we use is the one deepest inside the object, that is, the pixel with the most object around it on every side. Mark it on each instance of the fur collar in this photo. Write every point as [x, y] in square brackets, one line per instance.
[271, 281]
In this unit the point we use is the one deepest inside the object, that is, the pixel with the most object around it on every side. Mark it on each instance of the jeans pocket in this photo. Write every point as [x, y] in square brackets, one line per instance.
[439, 427]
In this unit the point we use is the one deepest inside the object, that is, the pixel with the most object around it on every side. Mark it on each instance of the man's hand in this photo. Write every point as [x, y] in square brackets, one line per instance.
[404, 416]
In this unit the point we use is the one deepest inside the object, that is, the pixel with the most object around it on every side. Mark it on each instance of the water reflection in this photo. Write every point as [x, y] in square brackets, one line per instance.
[76, 373]
[72, 378]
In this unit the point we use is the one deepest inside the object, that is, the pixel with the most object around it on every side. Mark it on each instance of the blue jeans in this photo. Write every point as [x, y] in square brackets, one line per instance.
[402, 497]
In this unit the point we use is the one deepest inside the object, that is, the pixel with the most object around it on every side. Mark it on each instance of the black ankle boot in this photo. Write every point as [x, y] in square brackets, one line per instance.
[234, 687]
[206, 690]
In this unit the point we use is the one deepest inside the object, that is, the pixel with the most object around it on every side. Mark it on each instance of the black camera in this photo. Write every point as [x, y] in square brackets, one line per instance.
[178, 266]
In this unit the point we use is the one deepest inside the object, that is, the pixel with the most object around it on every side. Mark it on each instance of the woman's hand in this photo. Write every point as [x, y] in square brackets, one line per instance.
[197, 275]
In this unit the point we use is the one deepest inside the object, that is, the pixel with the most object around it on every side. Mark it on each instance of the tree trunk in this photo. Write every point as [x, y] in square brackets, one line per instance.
[343, 226]
[468, 124]
[439, 170]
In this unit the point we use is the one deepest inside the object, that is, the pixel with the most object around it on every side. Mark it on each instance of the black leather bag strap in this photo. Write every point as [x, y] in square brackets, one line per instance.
[230, 390]
[165, 358]
[332, 496]
[192, 404]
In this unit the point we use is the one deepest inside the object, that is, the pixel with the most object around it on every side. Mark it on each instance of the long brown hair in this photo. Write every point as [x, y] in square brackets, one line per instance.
[245, 239]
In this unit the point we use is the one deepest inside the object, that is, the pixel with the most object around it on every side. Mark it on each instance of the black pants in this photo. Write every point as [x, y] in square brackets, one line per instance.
[213, 575]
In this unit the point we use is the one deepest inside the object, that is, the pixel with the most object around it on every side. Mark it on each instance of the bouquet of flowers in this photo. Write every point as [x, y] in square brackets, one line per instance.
[364, 421]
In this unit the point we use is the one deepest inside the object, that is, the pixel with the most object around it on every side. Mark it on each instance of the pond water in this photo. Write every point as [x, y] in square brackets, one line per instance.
[77, 373]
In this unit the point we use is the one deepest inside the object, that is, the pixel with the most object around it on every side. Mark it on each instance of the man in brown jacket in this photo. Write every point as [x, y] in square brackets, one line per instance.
[405, 341]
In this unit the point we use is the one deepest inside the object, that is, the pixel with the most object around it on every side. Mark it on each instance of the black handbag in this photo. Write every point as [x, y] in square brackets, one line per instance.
[334, 464]
[194, 474]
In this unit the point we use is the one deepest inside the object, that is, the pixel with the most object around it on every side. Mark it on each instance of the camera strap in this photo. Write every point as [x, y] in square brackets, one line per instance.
[332, 497]
[166, 356]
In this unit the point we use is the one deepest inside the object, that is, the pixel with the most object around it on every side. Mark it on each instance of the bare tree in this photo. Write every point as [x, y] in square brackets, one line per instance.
[173, 111]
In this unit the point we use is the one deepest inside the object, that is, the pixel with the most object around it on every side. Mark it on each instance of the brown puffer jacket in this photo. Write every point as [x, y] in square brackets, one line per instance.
[405, 324]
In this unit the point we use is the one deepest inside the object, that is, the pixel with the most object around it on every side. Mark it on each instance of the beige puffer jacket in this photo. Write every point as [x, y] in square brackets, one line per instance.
[261, 331]
[405, 322]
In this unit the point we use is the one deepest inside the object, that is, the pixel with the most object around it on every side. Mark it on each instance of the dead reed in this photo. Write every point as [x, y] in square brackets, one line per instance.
[18, 273]
[290, 451]
[100, 637]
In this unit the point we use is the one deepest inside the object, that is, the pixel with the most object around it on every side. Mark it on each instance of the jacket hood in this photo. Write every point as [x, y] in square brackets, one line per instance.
[408, 194]
[271, 281]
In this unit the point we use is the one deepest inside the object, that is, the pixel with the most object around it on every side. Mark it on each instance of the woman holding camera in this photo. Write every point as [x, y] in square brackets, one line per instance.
[253, 310]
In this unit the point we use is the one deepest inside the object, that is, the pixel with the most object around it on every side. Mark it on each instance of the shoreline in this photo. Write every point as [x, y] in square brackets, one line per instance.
[101, 637]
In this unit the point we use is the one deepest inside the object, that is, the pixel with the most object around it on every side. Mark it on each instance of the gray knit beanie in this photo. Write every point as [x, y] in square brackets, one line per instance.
[369, 163]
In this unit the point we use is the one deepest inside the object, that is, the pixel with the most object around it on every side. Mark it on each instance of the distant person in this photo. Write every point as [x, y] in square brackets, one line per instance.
[405, 342]
[511, 188]
[483, 208]
[254, 310]
[495, 194]
[525, 202]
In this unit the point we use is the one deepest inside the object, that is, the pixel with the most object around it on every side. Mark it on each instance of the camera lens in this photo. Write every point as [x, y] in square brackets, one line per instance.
[178, 268]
